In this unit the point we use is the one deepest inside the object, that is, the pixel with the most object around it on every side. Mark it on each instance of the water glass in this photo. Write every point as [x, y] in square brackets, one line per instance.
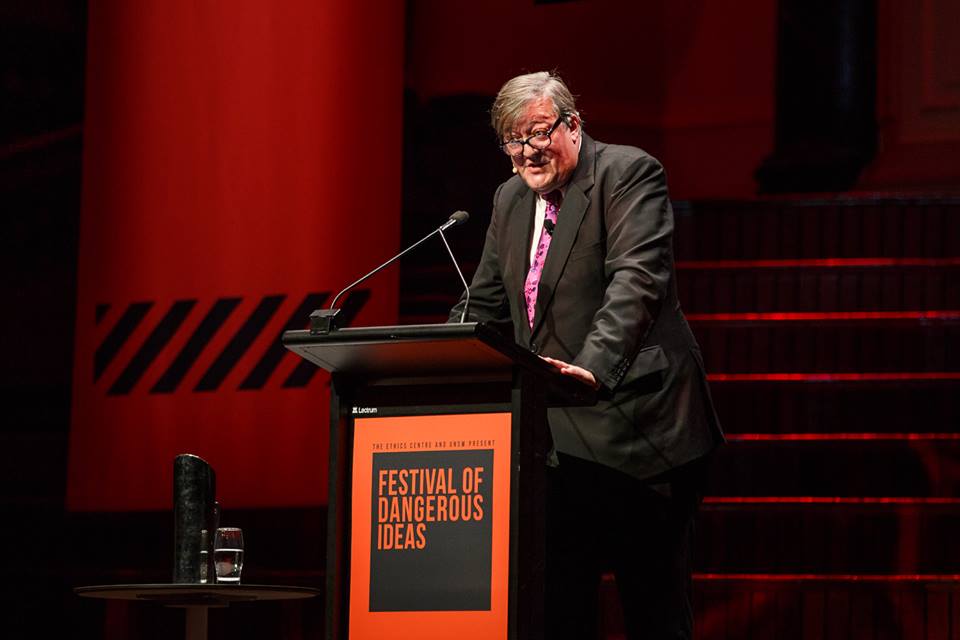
[228, 554]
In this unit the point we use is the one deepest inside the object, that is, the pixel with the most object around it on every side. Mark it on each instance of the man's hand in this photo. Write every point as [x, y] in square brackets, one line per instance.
[574, 371]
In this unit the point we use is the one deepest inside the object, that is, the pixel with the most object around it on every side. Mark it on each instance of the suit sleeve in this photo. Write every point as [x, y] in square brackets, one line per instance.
[638, 265]
[488, 299]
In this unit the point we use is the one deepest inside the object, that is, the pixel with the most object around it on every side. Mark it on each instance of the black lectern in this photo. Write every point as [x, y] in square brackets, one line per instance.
[438, 445]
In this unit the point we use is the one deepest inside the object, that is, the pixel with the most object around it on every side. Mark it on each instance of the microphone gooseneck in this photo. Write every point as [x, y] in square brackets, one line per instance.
[322, 320]
[458, 217]
[466, 287]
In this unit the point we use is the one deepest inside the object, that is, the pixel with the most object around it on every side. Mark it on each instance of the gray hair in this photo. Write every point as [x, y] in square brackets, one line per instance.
[517, 92]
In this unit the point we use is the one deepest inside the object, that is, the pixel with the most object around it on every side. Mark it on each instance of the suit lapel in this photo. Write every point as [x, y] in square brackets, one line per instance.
[520, 227]
[574, 207]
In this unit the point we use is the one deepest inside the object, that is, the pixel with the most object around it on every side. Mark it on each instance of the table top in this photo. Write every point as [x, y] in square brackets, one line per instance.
[193, 594]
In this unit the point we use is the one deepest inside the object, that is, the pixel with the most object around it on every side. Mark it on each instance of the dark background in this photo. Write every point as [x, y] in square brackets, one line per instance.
[792, 131]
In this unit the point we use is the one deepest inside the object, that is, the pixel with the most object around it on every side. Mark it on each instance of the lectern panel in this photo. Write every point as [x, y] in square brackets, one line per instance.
[430, 527]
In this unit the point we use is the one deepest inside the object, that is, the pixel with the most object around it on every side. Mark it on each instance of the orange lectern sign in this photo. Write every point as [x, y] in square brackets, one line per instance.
[430, 527]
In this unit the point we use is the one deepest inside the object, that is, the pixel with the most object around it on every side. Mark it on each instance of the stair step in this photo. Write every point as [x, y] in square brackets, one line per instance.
[730, 287]
[854, 346]
[783, 535]
[830, 609]
[812, 607]
[928, 468]
[870, 406]
[841, 228]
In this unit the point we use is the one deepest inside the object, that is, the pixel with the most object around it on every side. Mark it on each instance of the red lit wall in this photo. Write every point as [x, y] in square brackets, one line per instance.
[242, 160]
[918, 98]
[691, 82]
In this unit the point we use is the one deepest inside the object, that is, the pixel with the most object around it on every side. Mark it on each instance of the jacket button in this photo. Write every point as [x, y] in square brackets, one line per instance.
[534, 347]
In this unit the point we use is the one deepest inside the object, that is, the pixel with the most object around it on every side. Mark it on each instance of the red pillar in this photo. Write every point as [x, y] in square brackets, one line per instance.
[238, 158]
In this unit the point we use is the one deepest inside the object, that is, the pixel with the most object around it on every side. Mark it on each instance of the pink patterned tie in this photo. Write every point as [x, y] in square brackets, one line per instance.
[532, 284]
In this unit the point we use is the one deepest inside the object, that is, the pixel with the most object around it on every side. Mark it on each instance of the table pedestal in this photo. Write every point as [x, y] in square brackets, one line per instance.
[196, 627]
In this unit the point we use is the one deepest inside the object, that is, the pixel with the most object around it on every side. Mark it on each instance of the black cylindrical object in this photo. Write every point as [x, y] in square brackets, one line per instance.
[194, 518]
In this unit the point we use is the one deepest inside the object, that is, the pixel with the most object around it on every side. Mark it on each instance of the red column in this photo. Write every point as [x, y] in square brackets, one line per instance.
[241, 160]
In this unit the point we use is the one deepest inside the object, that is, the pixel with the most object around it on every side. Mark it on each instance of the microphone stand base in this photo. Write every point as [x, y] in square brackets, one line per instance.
[323, 321]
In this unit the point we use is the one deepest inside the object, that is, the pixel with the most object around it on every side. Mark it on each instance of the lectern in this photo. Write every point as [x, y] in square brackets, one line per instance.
[438, 450]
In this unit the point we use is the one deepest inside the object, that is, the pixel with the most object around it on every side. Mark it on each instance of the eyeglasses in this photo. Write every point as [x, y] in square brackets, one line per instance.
[538, 140]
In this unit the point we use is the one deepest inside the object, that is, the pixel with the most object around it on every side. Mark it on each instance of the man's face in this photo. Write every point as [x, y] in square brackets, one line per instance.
[546, 169]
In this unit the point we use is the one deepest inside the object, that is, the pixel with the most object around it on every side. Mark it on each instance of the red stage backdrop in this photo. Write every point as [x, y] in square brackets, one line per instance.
[242, 161]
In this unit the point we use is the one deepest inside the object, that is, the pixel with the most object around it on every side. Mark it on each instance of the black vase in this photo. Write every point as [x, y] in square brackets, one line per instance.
[195, 516]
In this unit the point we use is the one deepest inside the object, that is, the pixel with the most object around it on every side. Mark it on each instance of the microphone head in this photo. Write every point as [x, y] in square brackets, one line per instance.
[549, 226]
[459, 217]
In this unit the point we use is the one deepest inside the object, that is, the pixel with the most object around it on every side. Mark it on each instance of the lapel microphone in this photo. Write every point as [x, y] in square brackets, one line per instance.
[549, 226]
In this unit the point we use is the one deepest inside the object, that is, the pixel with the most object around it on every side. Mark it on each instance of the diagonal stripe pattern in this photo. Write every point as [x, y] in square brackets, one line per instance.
[239, 344]
[173, 321]
[118, 336]
[195, 345]
[275, 352]
[157, 340]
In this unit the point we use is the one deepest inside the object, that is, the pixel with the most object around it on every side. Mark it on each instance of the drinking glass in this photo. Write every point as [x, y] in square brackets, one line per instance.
[228, 554]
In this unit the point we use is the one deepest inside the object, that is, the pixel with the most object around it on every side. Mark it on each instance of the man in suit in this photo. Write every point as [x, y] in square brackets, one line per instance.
[578, 256]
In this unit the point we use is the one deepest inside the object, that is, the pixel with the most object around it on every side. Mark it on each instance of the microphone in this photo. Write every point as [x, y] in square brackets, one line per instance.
[324, 320]
[456, 218]
[549, 225]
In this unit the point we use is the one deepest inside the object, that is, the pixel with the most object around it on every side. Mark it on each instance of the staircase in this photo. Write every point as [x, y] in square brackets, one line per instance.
[831, 331]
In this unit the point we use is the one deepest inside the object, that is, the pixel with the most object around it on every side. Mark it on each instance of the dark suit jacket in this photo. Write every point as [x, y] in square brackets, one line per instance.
[608, 303]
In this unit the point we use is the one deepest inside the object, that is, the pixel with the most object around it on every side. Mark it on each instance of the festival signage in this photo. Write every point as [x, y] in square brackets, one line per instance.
[430, 527]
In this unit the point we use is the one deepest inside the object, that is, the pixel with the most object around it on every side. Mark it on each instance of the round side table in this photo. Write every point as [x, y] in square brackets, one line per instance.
[196, 599]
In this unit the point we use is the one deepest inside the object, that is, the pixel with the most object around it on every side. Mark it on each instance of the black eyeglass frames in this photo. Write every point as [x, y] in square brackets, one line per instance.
[537, 140]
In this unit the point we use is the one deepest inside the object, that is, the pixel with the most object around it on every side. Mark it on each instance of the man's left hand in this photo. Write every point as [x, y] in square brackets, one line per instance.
[574, 371]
